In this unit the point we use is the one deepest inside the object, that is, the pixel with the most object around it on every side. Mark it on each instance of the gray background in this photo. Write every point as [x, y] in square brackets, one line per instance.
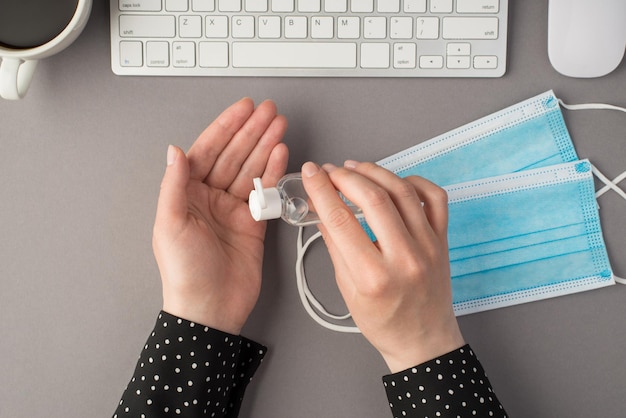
[81, 162]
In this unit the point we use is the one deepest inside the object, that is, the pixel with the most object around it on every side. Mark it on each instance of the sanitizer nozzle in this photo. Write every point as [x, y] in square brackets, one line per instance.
[264, 203]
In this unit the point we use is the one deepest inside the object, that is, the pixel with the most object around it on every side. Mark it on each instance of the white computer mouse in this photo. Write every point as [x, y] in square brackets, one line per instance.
[586, 38]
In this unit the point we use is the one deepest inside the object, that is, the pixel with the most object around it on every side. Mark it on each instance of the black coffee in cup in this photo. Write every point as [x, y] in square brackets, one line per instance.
[31, 23]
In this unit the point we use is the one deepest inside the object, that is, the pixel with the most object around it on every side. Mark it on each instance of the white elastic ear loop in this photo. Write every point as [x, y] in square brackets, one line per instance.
[307, 297]
[609, 184]
[619, 280]
[591, 106]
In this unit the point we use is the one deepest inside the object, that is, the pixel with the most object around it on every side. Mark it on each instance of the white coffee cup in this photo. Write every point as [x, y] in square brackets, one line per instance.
[31, 30]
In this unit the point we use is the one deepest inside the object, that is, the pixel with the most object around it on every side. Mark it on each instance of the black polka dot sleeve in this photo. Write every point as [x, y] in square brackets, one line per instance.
[453, 385]
[189, 370]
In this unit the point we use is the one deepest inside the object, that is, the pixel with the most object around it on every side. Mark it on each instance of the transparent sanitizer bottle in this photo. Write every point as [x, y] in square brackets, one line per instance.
[287, 200]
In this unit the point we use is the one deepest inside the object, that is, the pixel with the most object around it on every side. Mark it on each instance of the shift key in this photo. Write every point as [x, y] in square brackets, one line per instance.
[156, 26]
[470, 28]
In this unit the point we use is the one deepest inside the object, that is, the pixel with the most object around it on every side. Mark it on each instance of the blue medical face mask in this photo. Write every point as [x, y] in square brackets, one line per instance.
[525, 236]
[518, 139]
[528, 135]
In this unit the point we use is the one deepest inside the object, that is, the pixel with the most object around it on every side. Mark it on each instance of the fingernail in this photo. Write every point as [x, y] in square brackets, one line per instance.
[309, 169]
[328, 167]
[350, 164]
[171, 155]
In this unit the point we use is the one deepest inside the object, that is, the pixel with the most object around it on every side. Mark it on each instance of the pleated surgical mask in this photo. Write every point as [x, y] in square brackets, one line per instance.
[521, 146]
[525, 236]
[528, 135]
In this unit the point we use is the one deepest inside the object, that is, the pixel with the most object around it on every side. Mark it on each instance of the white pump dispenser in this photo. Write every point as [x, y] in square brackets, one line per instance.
[288, 200]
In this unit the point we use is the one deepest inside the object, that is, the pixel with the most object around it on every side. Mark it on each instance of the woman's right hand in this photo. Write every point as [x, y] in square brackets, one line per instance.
[398, 288]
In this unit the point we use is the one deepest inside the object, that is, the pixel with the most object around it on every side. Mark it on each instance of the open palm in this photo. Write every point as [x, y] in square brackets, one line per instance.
[208, 247]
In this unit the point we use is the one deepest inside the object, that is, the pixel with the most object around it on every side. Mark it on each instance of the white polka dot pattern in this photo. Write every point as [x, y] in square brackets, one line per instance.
[189, 370]
[453, 385]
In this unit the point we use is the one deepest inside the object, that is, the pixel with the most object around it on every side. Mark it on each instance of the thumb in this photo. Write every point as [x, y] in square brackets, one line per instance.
[172, 204]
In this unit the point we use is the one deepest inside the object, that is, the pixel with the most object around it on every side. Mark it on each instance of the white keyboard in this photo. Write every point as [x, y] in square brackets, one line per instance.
[312, 38]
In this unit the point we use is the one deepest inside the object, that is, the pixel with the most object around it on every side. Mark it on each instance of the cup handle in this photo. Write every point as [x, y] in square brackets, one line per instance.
[15, 77]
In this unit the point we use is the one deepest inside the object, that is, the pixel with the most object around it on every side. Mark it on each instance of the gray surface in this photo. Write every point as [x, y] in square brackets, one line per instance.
[81, 164]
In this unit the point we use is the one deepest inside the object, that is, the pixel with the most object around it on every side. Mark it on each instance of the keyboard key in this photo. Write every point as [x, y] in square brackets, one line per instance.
[229, 5]
[336, 6]
[176, 5]
[441, 6]
[131, 54]
[486, 61]
[415, 6]
[431, 61]
[140, 5]
[477, 6]
[216, 27]
[213, 54]
[190, 26]
[401, 28]
[470, 28]
[362, 6]
[458, 62]
[285, 6]
[388, 6]
[269, 27]
[309, 6]
[348, 27]
[184, 54]
[203, 5]
[294, 55]
[243, 26]
[375, 28]
[147, 26]
[322, 27]
[427, 28]
[375, 55]
[256, 5]
[157, 54]
[458, 48]
[295, 27]
[404, 55]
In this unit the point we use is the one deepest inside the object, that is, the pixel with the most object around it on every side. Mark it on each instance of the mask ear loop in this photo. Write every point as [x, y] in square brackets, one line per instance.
[609, 184]
[591, 106]
[306, 296]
